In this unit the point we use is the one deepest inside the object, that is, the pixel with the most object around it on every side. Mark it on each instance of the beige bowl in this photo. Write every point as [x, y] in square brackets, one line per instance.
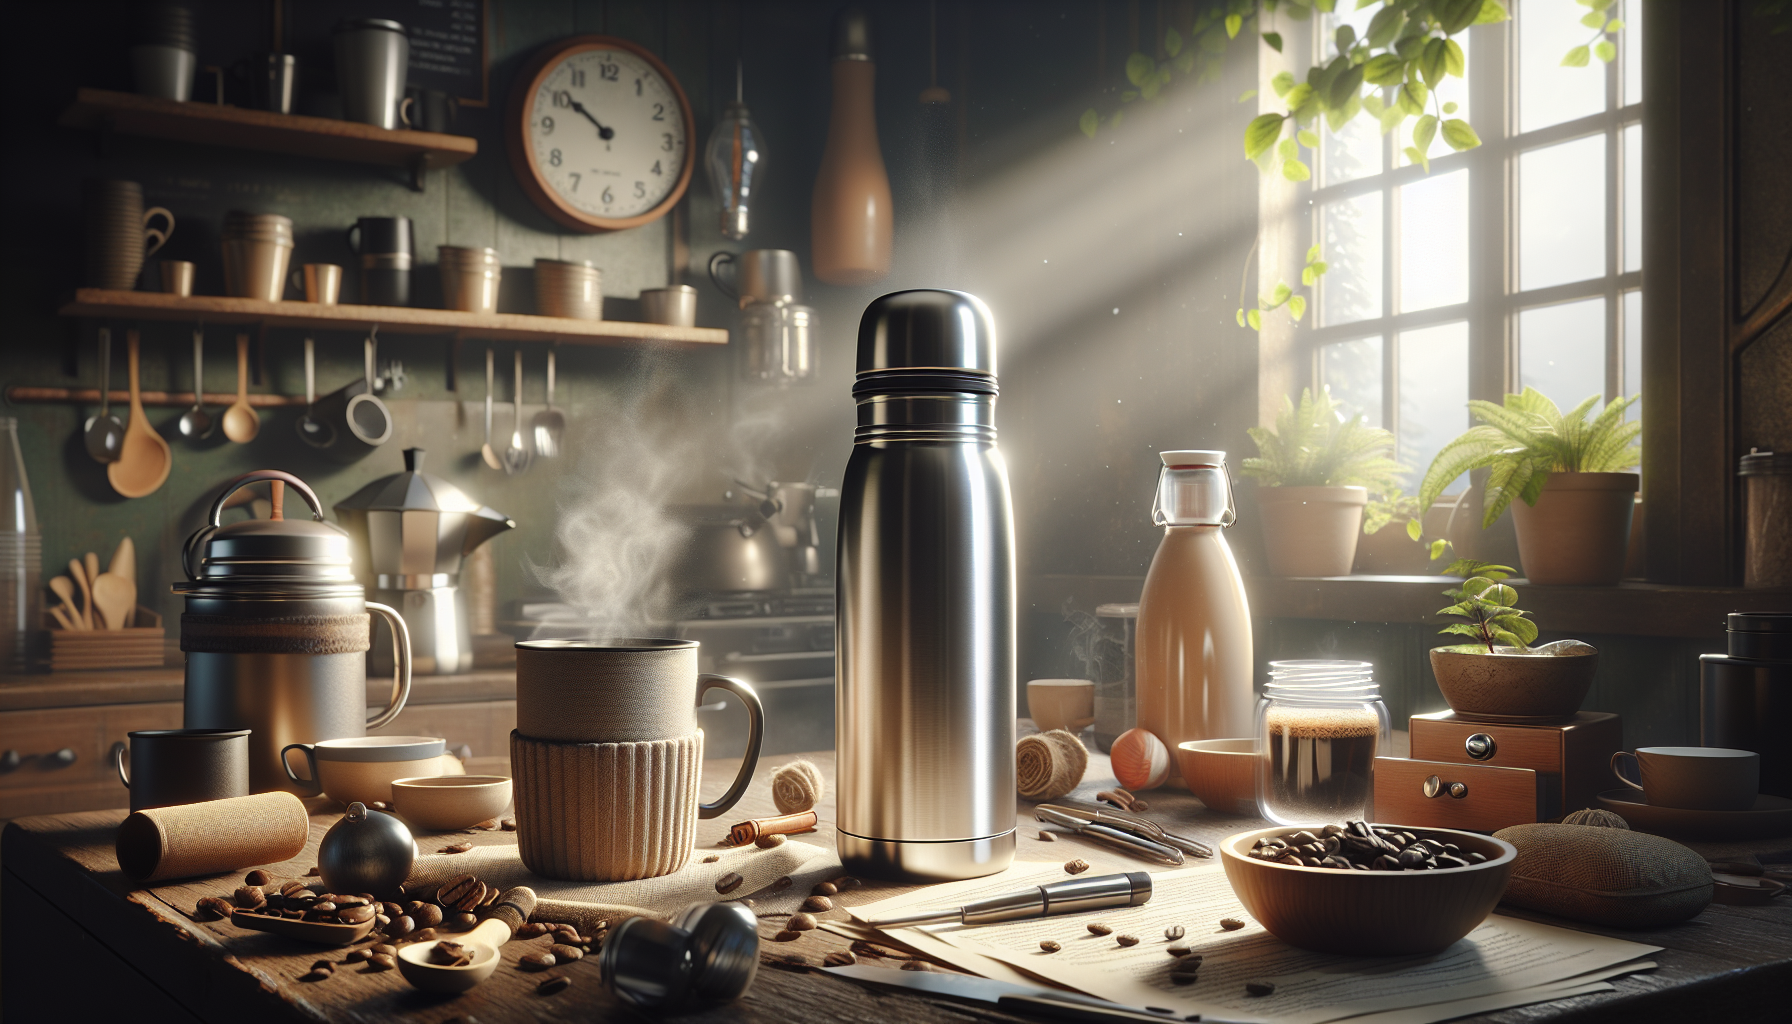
[362, 768]
[1221, 773]
[1369, 913]
[444, 803]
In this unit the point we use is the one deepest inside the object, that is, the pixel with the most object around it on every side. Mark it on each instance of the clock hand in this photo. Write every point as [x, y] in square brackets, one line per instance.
[603, 132]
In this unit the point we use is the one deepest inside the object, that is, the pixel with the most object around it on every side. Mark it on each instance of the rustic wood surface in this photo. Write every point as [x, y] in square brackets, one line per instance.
[76, 932]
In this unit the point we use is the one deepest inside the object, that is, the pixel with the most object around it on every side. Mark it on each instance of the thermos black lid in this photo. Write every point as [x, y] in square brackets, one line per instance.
[1760, 622]
[946, 337]
[852, 35]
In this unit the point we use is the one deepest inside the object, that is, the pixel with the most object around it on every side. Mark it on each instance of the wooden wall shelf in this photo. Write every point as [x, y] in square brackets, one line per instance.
[239, 128]
[215, 309]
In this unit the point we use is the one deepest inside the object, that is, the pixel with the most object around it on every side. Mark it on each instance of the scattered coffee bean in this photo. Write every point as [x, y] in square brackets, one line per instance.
[323, 965]
[818, 904]
[428, 915]
[449, 954]
[1259, 988]
[460, 921]
[1231, 924]
[464, 892]
[1077, 866]
[536, 961]
[313, 873]
[383, 949]
[1097, 928]
[846, 882]
[728, 883]
[355, 915]
[787, 936]
[1046, 837]
[1127, 940]
[391, 909]
[380, 805]
[1175, 932]
[355, 956]
[564, 953]
[401, 926]
[802, 922]
[508, 825]
[491, 896]
[825, 889]
[1139, 806]
[456, 848]
[249, 896]
[1049, 946]
[257, 877]
[1177, 950]
[421, 935]
[839, 958]
[211, 908]
[712, 858]
[780, 885]
[768, 842]
[554, 985]
[316, 975]
[532, 930]
[382, 962]
[488, 825]
[915, 965]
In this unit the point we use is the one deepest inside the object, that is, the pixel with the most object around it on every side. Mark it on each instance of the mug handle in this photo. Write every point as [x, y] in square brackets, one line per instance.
[349, 237]
[401, 662]
[313, 782]
[1621, 777]
[157, 238]
[404, 112]
[715, 263]
[755, 733]
[118, 752]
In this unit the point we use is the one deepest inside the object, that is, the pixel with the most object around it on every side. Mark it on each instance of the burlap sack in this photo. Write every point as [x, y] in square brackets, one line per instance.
[1605, 876]
[160, 843]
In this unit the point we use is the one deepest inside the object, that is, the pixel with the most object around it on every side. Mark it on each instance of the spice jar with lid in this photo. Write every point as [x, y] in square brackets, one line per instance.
[276, 632]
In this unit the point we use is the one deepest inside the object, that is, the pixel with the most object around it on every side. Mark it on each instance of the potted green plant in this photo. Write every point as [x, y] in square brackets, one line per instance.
[1498, 676]
[1384, 549]
[1573, 521]
[1315, 471]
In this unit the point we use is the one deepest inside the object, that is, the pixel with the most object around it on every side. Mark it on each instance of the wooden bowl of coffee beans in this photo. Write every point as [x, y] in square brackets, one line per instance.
[1367, 889]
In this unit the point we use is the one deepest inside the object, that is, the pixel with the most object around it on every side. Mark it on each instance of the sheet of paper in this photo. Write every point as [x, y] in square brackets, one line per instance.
[1503, 955]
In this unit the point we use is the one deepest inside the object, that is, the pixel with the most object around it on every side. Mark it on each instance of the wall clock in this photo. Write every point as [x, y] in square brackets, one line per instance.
[599, 133]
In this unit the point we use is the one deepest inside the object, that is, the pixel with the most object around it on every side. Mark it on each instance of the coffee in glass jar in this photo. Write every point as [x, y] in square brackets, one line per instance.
[1320, 726]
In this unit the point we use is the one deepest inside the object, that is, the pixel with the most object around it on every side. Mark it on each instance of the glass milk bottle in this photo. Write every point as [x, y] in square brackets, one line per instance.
[1193, 646]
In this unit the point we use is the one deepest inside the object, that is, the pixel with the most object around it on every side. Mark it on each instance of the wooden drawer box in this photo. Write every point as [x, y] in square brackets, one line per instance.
[1573, 758]
[1492, 797]
[41, 782]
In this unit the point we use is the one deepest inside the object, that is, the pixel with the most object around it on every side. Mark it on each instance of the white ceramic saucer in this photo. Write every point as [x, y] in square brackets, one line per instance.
[1771, 816]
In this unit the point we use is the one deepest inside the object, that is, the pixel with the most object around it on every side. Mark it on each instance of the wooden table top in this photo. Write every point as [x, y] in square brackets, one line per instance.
[1728, 963]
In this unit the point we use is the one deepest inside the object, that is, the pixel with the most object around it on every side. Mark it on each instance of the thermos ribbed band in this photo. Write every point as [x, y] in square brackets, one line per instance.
[884, 382]
[287, 634]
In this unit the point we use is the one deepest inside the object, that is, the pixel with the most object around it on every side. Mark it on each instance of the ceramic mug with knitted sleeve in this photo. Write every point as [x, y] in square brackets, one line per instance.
[607, 755]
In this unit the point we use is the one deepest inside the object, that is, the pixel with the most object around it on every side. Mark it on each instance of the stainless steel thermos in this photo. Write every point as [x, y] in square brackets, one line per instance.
[925, 600]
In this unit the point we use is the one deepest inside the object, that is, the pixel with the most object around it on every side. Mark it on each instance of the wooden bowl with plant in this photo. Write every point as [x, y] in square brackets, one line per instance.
[1315, 472]
[1499, 677]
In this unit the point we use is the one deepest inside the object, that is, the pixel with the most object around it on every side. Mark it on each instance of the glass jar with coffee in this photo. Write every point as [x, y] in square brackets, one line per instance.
[1319, 727]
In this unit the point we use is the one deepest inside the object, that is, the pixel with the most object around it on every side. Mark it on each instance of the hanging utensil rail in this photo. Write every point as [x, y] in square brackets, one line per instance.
[20, 394]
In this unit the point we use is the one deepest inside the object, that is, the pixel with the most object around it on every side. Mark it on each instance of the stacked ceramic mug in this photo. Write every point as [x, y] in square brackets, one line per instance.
[469, 278]
[257, 251]
[569, 288]
[165, 55]
[115, 231]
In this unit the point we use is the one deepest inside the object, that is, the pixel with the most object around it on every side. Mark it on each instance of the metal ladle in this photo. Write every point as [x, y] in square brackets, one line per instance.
[196, 424]
[486, 451]
[549, 424]
[313, 431]
[517, 456]
[104, 434]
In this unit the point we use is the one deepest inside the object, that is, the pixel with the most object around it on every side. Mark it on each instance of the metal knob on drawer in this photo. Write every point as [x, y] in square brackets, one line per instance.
[1435, 787]
[62, 758]
[9, 760]
[1480, 746]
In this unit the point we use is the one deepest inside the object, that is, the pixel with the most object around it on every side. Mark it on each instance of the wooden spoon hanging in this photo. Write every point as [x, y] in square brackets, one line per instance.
[144, 461]
[241, 423]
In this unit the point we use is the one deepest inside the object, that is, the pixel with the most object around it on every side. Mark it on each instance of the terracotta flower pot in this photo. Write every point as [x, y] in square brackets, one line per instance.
[1579, 530]
[1311, 531]
[1511, 687]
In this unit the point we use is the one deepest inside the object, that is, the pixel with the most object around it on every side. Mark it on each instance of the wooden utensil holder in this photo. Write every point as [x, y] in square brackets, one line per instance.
[84, 650]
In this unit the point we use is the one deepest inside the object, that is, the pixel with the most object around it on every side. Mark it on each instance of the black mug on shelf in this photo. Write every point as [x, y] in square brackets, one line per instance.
[385, 246]
[433, 110]
[183, 766]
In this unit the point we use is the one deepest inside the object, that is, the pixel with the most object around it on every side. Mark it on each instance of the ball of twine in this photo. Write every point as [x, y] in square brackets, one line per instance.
[797, 786]
[1049, 764]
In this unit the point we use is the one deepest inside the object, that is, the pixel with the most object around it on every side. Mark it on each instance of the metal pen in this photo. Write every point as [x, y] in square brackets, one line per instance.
[1073, 896]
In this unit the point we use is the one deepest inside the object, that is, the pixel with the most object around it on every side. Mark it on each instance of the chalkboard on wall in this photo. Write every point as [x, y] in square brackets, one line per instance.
[448, 45]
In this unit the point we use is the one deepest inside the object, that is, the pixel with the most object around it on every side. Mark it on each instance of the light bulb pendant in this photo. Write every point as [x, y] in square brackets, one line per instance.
[735, 159]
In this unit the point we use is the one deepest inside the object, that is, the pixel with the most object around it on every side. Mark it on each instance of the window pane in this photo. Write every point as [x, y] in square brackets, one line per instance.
[1633, 350]
[1434, 242]
[1561, 350]
[1547, 92]
[1630, 50]
[1561, 213]
[1351, 287]
[1633, 198]
[1352, 369]
[1352, 152]
[1450, 90]
[1433, 396]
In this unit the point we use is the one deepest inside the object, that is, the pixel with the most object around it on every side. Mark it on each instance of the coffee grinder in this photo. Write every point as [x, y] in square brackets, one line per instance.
[410, 531]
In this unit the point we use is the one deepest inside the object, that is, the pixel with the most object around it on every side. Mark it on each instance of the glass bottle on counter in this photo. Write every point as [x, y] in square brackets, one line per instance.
[1193, 646]
[1319, 727]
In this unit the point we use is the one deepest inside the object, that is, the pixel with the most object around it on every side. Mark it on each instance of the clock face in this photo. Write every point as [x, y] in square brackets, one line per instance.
[605, 135]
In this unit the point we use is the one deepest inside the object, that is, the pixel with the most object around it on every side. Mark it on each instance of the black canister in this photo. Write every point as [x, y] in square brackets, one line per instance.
[1745, 696]
[386, 247]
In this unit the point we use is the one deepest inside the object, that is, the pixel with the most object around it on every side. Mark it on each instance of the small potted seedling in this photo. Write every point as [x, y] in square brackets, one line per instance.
[1499, 676]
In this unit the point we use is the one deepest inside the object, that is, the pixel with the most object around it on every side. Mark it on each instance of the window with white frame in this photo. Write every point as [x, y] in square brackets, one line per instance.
[1516, 263]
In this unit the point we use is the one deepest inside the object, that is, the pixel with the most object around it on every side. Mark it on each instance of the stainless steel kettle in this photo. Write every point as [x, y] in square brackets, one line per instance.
[276, 632]
[410, 531]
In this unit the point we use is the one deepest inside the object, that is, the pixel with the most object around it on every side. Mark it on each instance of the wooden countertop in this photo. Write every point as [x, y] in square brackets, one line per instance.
[63, 892]
[159, 685]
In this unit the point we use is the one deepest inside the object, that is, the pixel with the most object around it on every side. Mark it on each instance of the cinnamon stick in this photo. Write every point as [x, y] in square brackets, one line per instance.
[785, 824]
